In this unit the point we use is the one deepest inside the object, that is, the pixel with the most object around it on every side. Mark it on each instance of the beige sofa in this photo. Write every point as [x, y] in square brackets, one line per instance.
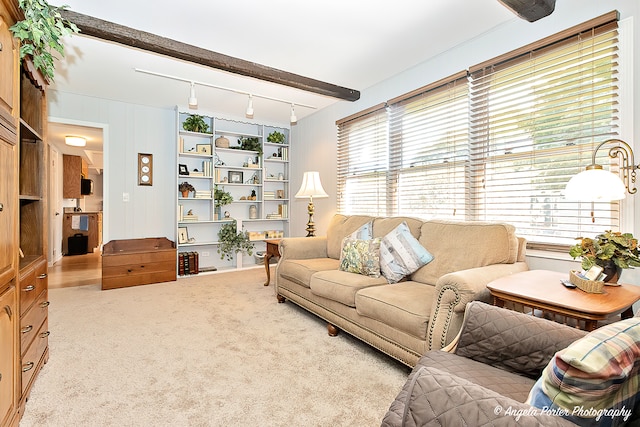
[408, 318]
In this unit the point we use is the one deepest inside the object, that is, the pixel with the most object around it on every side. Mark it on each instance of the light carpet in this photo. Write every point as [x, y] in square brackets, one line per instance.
[209, 350]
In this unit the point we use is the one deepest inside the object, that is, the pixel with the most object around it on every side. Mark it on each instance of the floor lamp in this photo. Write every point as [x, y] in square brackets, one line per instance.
[311, 187]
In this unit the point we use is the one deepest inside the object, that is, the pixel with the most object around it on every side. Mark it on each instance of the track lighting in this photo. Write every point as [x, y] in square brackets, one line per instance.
[249, 112]
[193, 101]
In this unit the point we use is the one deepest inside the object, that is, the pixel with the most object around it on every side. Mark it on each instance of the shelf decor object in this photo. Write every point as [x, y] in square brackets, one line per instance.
[311, 187]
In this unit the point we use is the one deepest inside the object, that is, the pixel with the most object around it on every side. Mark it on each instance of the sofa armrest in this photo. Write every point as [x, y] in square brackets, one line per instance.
[303, 247]
[433, 397]
[454, 291]
[511, 340]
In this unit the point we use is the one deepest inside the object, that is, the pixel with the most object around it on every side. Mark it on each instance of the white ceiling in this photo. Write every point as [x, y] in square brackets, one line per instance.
[354, 44]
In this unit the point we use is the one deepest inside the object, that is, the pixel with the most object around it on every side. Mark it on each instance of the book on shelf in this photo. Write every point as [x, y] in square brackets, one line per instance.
[188, 263]
[190, 218]
[202, 194]
[196, 173]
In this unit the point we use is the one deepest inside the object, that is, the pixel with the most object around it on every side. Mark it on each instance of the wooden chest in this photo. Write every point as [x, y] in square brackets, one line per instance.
[133, 262]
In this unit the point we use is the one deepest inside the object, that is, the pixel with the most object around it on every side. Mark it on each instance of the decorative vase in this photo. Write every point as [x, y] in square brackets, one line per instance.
[611, 272]
[253, 212]
[218, 213]
[185, 194]
[222, 142]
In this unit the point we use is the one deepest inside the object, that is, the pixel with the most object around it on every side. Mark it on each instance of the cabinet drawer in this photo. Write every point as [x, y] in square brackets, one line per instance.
[32, 320]
[32, 283]
[32, 358]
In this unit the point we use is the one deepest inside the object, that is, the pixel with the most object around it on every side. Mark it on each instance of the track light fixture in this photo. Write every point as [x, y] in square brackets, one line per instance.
[249, 112]
[193, 101]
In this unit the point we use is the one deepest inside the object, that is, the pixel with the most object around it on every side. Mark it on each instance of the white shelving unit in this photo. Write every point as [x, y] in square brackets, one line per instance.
[257, 179]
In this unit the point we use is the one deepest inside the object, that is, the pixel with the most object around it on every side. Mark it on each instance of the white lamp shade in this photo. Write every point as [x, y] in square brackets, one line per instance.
[311, 186]
[595, 185]
[75, 141]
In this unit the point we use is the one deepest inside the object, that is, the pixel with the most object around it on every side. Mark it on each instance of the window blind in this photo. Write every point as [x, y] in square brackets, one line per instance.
[535, 119]
[363, 163]
[428, 138]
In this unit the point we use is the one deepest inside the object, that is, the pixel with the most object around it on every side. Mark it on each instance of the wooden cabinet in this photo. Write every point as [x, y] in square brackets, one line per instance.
[74, 168]
[8, 370]
[8, 213]
[8, 69]
[93, 230]
[33, 321]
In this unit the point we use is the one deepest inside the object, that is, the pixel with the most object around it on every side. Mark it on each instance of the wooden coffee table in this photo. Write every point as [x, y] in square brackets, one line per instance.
[272, 250]
[541, 290]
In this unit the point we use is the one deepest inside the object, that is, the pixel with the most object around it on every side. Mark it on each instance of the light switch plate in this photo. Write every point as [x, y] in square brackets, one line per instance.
[145, 169]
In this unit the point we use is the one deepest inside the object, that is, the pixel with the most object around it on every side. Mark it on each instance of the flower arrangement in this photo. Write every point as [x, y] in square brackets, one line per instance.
[606, 248]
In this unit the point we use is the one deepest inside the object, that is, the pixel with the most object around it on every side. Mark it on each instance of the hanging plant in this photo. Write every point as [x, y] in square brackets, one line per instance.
[232, 241]
[41, 32]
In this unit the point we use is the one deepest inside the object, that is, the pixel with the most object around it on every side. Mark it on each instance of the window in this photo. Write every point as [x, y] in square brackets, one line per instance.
[535, 118]
[498, 143]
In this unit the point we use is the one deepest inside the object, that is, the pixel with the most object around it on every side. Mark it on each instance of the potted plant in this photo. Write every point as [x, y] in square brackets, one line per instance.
[613, 251]
[41, 32]
[195, 123]
[232, 241]
[185, 188]
[250, 144]
[221, 198]
[276, 137]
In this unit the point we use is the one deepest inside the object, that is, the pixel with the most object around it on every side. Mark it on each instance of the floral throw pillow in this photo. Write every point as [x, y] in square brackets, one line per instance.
[361, 256]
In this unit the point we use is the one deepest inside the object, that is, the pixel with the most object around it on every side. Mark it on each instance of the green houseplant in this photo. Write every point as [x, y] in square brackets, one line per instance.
[185, 188]
[233, 241]
[41, 32]
[276, 137]
[613, 251]
[220, 198]
[195, 123]
[250, 144]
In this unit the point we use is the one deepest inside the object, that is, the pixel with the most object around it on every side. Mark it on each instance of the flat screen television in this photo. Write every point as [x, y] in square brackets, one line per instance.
[86, 187]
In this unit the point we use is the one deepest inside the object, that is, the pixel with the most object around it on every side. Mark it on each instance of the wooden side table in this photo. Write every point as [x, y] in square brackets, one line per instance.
[541, 290]
[272, 250]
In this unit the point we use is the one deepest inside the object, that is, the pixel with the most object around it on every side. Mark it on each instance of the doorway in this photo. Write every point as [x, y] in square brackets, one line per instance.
[75, 270]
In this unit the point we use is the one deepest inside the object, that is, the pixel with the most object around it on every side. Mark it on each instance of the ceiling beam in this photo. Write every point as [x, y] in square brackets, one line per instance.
[531, 10]
[127, 36]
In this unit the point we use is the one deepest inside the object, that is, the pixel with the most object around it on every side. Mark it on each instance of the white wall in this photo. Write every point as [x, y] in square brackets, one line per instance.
[316, 134]
[132, 129]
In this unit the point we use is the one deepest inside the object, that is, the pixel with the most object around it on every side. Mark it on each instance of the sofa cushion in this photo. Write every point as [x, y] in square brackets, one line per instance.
[341, 286]
[361, 256]
[500, 381]
[300, 270]
[460, 245]
[405, 306]
[600, 371]
[401, 254]
[340, 227]
[383, 226]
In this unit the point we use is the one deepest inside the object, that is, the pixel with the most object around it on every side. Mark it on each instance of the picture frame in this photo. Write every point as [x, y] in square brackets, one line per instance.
[183, 235]
[235, 177]
[183, 170]
[203, 149]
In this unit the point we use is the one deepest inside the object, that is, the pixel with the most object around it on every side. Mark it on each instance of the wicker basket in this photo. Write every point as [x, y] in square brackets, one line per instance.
[590, 286]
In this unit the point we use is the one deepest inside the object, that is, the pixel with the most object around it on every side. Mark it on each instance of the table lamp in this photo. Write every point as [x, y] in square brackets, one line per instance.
[311, 187]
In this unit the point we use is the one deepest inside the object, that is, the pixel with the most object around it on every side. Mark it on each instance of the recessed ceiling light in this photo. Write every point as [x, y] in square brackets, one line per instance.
[75, 141]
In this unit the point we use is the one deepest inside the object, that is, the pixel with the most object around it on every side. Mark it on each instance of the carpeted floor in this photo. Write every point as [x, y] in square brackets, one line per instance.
[210, 350]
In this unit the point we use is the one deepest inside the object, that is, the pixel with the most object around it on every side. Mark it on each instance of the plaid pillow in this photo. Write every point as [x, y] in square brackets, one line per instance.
[595, 380]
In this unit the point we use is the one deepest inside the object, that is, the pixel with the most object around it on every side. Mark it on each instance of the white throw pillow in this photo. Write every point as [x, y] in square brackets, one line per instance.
[401, 254]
